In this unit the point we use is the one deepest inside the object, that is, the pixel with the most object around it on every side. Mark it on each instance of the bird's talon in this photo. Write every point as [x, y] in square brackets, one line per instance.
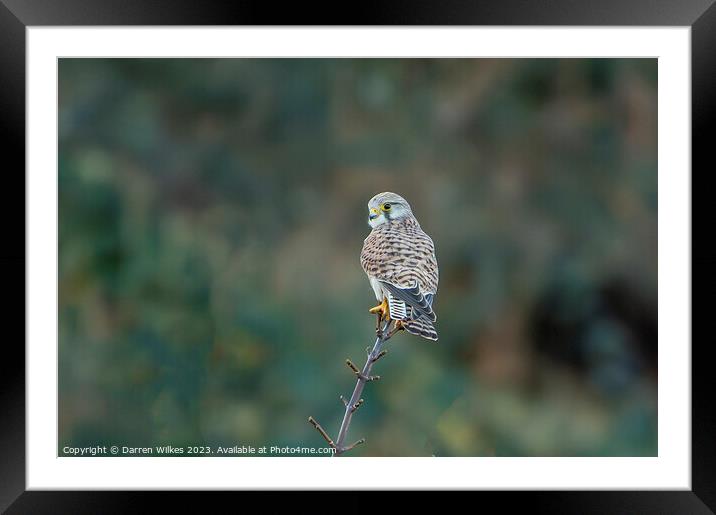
[381, 310]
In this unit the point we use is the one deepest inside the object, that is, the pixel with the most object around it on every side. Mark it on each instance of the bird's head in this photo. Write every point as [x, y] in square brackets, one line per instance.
[387, 206]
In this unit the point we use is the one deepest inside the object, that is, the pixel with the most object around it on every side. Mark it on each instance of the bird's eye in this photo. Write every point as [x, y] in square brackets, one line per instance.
[386, 207]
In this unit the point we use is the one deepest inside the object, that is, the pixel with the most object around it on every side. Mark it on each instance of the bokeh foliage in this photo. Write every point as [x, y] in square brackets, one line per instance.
[211, 216]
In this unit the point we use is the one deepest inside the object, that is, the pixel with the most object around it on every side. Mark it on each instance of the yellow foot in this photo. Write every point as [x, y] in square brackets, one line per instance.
[381, 310]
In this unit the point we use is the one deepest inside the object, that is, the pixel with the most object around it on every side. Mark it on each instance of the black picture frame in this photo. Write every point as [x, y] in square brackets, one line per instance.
[17, 15]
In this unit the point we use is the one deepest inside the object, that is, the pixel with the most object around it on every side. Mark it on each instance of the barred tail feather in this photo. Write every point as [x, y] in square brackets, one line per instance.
[421, 327]
[397, 308]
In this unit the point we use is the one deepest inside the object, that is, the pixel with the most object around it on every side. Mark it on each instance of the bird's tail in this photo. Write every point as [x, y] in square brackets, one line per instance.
[421, 327]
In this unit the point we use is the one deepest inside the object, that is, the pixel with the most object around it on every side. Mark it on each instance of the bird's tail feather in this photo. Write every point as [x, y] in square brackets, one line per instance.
[421, 327]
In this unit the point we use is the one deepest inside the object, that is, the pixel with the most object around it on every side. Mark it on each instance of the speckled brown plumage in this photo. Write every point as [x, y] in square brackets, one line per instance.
[399, 258]
[399, 252]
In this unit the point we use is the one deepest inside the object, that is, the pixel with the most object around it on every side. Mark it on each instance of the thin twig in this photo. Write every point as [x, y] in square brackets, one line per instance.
[380, 355]
[363, 377]
[353, 367]
[322, 431]
[354, 444]
[356, 401]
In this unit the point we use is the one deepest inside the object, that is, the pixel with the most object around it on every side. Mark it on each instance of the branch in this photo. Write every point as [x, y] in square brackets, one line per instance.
[322, 431]
[356, 401]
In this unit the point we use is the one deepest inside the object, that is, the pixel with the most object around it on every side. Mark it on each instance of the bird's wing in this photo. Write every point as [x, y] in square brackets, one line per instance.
[413, 298]
[429, 297]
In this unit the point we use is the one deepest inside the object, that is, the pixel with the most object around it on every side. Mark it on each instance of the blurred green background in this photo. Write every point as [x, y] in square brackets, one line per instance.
[211, 215]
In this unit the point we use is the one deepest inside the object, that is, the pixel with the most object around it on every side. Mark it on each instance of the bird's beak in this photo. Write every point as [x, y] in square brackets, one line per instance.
[374, 213]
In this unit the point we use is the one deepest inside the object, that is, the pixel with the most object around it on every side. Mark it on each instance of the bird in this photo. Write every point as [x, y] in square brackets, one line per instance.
[399, 259]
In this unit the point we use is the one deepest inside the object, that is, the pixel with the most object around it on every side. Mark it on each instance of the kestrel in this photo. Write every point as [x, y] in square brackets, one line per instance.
[399, 259]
